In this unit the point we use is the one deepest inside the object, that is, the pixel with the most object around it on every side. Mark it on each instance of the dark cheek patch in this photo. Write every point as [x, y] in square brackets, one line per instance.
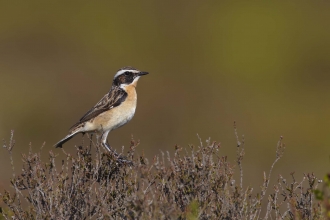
[120, 80]
[123, 80]
[128, 79]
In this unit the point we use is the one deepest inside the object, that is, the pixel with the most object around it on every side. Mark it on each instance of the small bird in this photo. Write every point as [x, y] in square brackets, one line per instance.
[115, 109]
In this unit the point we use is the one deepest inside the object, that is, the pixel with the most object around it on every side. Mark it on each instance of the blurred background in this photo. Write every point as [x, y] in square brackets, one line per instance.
[265, 65]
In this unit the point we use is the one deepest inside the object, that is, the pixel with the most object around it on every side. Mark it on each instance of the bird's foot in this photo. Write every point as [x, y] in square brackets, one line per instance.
[120, 158]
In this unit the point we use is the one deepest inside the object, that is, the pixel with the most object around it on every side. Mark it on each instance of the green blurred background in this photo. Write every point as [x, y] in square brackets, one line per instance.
[263, 64]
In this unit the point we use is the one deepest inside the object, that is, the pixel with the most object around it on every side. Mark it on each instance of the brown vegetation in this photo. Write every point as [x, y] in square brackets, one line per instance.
[194, 183]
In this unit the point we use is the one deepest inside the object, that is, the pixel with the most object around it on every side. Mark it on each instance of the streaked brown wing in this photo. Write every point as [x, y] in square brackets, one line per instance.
[112, 99]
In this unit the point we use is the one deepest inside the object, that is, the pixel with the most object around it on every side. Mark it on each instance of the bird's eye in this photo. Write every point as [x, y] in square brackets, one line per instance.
[126, 73]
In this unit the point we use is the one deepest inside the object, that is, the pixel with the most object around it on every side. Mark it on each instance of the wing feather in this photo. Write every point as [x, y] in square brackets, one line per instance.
[110, 100]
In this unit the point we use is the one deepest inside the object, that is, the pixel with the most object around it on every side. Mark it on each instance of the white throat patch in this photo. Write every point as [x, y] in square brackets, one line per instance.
[123, 86]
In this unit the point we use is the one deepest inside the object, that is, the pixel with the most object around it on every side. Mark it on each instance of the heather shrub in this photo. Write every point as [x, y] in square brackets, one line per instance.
[193, 183]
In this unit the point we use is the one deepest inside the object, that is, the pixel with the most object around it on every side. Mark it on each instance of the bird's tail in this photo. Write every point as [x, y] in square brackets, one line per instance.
[68, 137]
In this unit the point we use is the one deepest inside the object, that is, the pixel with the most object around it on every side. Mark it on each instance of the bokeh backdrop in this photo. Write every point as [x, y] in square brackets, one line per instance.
[265, 65]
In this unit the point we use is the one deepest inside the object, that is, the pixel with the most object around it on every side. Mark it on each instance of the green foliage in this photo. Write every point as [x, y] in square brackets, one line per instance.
[323, 195]
[193, 210]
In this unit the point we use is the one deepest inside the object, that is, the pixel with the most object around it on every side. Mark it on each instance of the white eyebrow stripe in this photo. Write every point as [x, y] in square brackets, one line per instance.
[123, 71]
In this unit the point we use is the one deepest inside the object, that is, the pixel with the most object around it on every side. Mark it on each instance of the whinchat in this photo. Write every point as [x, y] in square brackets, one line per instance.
[115, 109]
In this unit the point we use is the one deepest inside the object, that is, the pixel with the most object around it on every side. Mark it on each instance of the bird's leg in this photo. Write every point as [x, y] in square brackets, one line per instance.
[107, 146]
[120, 158]
[104, 140]
[90, 142]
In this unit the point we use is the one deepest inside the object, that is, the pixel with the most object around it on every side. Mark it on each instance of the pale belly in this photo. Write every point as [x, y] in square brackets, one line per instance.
[111, 119]
[120, 118]
[115, 117]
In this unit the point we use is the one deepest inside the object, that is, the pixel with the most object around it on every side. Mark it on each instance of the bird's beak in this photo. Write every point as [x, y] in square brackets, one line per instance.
[142, 73]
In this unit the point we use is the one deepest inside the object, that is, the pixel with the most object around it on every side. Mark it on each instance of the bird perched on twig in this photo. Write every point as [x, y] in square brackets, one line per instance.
[115, 109]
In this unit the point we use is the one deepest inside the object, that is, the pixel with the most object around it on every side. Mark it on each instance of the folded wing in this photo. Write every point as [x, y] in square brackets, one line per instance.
[112, 99]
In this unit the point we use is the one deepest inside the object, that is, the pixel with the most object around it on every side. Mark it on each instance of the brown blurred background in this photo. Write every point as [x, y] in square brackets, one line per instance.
[265, 65]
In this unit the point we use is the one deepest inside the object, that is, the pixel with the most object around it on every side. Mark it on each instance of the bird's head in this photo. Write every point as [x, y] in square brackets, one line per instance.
[127, 76]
